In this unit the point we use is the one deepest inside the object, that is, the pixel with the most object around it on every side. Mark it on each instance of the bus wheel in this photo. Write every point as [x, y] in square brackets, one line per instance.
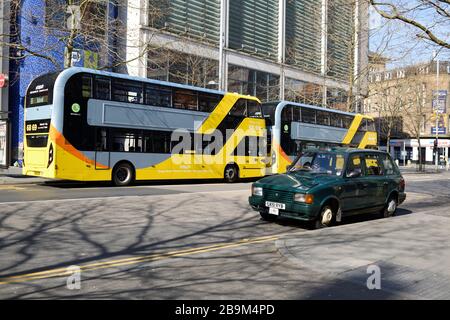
[123, 174]
[231, 173]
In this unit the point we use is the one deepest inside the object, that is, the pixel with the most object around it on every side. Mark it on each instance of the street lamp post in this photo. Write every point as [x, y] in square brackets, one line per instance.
[436, 106]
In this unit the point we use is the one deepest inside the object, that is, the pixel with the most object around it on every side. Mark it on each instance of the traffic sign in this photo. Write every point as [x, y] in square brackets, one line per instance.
[3, 80]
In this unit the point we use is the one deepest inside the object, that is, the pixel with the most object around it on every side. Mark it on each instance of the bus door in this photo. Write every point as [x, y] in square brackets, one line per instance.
[102, 155]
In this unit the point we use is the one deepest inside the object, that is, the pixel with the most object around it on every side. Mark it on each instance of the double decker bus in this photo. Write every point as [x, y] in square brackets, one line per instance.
[295, 127]
[88, 125]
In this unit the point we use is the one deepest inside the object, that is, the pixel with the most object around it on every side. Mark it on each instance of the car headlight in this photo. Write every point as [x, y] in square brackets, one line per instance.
[304, 198]
[257, 191]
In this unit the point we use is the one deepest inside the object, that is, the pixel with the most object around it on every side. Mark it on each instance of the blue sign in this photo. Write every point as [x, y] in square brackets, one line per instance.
[439, 101]
[442, 130]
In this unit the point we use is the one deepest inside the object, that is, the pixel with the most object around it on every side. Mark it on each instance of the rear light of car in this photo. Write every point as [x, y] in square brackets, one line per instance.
[402, 184]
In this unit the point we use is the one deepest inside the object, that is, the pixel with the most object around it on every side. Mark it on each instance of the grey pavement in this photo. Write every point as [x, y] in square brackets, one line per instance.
[194, 241]
[412, 252]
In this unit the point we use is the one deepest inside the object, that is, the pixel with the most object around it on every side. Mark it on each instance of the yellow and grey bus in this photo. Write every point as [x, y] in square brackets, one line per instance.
[295, 127]
[88, 125]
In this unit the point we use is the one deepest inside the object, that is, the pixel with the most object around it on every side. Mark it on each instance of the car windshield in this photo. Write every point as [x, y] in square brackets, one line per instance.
[320, 162]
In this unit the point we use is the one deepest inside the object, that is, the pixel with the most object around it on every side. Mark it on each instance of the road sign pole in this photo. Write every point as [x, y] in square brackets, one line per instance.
[437, 114]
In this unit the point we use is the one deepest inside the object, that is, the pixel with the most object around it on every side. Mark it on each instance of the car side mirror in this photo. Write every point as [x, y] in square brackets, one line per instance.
[354, 174]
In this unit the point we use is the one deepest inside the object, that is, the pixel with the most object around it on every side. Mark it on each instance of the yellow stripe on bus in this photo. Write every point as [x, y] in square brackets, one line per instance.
[369, 139]
[353, 129]
[219, 113]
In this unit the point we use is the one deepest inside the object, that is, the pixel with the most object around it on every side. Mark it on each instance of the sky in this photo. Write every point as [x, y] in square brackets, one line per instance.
[399, 42]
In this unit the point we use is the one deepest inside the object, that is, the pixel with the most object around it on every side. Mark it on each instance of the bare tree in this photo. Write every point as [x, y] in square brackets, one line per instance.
[416, 110]
[75, 24]
[431, 18]
[389, 103]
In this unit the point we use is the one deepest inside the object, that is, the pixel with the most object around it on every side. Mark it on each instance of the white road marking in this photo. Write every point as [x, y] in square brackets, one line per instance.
[119, 197]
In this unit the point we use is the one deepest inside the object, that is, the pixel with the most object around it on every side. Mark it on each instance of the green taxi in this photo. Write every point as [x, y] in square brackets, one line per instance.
[322, 186]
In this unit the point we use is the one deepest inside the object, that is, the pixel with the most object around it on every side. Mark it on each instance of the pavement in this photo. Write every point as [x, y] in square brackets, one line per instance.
[201, 240]
[411, 251]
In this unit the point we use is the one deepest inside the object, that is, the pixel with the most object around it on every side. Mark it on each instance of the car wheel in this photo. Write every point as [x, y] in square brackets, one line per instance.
[267, 216]
[231, 173]
[123, 174]
[390, 208]
[325, 218]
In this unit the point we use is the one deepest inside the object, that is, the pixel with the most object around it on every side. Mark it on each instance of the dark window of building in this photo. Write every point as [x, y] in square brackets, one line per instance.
[308, 115]
[185, 99]
[127, 91]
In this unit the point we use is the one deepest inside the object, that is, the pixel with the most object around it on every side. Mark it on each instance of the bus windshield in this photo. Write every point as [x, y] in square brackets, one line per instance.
[40, 91]
[320, 162]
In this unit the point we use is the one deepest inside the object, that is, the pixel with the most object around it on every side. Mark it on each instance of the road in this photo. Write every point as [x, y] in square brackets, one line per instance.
[175, 241]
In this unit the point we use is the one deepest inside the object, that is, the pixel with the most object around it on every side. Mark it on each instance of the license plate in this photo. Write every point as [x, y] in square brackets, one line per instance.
[274, 211]
[275, 205]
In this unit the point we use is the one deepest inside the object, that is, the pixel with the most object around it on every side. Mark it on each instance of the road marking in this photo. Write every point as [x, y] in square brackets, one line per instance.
[61, 272]
[11, 187]
[124, 196]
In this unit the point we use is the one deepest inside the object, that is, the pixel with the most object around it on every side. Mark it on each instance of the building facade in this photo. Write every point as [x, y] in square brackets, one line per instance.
[312, 51]
[38, 44]
[300, 50]
[4, 75]
[404, 102]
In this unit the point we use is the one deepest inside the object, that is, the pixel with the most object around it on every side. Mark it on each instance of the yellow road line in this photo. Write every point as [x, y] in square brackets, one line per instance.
[60, 272]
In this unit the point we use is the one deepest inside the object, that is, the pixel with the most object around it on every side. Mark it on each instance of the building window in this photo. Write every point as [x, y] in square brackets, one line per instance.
[303, 92]
[174, 66]
[265, 86]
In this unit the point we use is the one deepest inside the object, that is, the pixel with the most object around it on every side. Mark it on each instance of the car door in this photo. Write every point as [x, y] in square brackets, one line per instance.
[374, 180]
[353, 190]
[390, 174]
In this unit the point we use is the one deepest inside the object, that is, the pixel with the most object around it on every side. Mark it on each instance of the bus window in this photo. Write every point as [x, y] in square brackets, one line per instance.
[207, 102]
[363, 125]
[86, 86]
[308, 115]
[158, 96]
[254, 109]
[184, 99]
[127, 91]
[370, 125]
[124, 140]
[103, 88]
[347, 121]
[296, 114]
[239, 109]
[323, 118]
[157, 141]
[286, 114]
[336, 120]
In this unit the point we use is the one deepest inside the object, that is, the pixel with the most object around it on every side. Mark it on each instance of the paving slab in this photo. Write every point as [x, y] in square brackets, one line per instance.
[412, 252]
